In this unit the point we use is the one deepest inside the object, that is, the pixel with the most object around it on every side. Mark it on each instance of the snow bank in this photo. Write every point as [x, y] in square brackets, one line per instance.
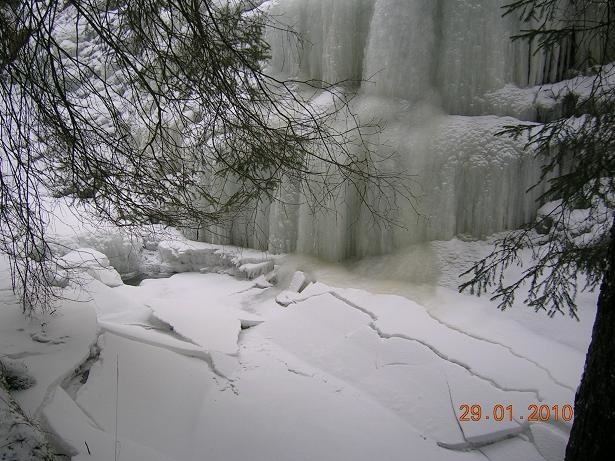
[22, 438]
[152, 382]
[108, 253]
[83, 439]
[74, 226]
[40, 352]
[93, 263]
[51, 346]
[189, 256]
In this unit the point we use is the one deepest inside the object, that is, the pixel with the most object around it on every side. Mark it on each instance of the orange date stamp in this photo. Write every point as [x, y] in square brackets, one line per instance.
[500, 412]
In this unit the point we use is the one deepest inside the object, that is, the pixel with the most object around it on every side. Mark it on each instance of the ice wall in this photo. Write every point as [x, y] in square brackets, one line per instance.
[399, 57]
[465, 181]
[409, 49]
[331, 36]
[432, 71]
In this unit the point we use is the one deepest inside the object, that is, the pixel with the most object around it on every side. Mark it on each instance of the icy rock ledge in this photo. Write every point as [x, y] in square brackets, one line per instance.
[189, 256]
[110, 257]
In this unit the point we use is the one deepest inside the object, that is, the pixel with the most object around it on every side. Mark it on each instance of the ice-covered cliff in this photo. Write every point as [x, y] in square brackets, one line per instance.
[443, 77]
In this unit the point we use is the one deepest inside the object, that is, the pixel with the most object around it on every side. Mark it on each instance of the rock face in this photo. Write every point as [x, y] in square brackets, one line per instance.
[442, 78]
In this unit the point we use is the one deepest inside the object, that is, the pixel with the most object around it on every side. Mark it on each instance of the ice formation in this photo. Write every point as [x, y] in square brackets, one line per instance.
[443, 77]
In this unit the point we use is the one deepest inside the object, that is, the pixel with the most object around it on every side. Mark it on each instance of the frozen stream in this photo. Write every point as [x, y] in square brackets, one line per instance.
[209, 366]
[337, 374]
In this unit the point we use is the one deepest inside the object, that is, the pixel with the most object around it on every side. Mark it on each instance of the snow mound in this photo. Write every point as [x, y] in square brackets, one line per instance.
[92, 262]
[75, 226]
[50, 346]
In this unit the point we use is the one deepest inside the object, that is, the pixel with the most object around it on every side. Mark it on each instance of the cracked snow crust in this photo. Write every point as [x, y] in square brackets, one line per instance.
[244, 369]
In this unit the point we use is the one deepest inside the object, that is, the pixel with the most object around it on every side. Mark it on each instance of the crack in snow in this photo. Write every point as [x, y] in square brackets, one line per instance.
[374, 318]
[468, 368]
[393, 364]
[508, 348]
[165, 328]
[200, 354]
[90, 418]
[245, 290]
[51, 388]
[74, 382]
[229, 385]
[433, 349]
[299, 372]
[483, 453]
[450, 396]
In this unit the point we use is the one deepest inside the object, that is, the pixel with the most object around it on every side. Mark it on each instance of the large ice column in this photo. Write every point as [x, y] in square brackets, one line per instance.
[284, 218]
[410, 49]
[328, 40]
[475, 54]
[400, 58]
[328, 232]
[455, 49]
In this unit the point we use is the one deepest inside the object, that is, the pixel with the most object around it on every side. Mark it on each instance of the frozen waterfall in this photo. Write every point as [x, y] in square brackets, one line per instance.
[444, 77]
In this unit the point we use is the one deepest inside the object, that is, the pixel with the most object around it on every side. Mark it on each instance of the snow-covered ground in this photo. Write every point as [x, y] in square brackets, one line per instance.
[242, 356]
[370, 360]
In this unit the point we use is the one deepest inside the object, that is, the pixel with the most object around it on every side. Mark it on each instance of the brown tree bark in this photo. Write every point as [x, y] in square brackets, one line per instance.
[593, 432]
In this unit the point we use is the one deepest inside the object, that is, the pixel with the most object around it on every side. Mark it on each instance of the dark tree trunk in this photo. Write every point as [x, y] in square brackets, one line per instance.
[593, 432]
